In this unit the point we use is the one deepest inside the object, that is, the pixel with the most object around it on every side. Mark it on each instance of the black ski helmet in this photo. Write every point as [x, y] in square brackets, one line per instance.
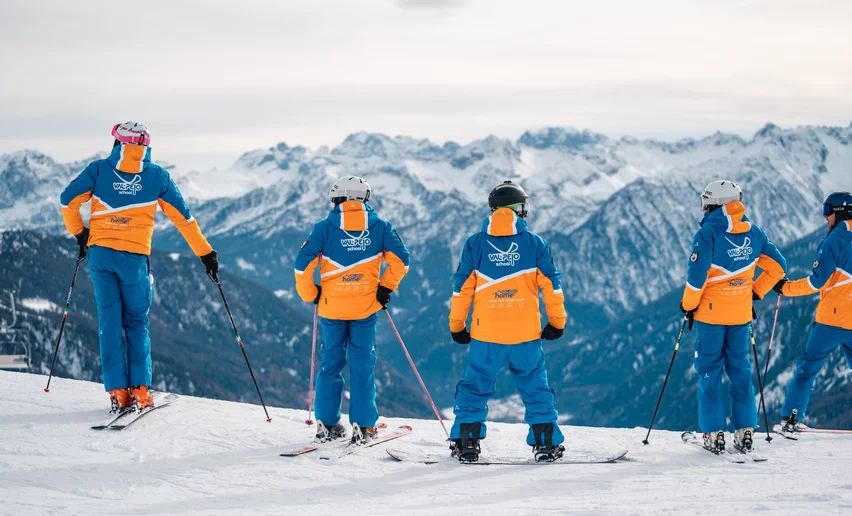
[508, 194]
[839, 203]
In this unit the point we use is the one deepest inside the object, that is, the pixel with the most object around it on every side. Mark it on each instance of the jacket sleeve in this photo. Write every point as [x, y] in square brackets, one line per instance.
[306, 262]
[774, 267]
[823, 268]
[172, 203]
[464, 287]
[697, 269]
[549, 280]
[75, 194]
[397, 256]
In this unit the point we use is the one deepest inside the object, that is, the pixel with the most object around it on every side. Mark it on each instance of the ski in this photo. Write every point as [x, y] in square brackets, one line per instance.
[568, 458]
[402, 431]
[111, 419]
[132, 417]
[313, 445]
[778, 429]
[693, 439]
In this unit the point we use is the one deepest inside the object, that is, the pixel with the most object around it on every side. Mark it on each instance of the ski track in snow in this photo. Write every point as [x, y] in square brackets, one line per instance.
[202, 456]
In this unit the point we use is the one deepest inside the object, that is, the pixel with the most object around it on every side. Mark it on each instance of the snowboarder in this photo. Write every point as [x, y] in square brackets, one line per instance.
[349, 246]
[501, 271]
[718, 298]
[125, 190]
[832, 278]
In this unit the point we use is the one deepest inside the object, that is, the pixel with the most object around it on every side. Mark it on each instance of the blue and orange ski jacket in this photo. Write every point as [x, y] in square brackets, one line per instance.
[349, 246]
[831, 277]
[125, 190]
[500, 273]
[720, 277]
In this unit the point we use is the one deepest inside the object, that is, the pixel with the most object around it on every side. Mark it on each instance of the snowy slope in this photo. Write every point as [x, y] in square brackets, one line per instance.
[201, 456]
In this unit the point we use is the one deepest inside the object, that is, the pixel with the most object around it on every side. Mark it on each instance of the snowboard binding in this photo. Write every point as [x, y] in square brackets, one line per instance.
[466, 448]
[544, 449]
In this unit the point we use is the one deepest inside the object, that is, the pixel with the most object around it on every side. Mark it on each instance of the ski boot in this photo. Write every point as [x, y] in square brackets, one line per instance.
[715, 442]
[362, 435]
[119, 400]
[544, 450]
[743, 440]
[466, 448]
[140, 399]
[329, 433]
[791, 425]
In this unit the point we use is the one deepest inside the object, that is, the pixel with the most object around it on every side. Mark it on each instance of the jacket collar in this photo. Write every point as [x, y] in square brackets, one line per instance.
[730, 218]
[503, 222]
[352, 216]
[129, 158]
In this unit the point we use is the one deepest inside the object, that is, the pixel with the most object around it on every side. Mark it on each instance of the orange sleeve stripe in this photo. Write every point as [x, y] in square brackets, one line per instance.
[188, 228]
[460, 304]
[801, 287]
[395, 271]
[305, 282]
[71, 213]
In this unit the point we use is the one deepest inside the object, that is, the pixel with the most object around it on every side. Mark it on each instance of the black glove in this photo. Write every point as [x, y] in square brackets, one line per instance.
[383, 295]
[319, 293]
[780, 285]
[755, 297]
[83, 242]
[211, 263]
[753, 314]
[461, 337]
[690, 314]
[551, 333]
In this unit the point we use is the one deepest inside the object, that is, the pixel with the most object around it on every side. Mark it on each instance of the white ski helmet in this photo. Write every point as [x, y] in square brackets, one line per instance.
[349, 188]
[720, 193]
[132, 132]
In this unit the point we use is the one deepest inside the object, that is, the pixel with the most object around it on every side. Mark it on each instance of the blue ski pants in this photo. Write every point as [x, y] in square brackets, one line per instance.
[359, 337]
[727, 347]
[821, 341]
[123, 296]
[527, 365]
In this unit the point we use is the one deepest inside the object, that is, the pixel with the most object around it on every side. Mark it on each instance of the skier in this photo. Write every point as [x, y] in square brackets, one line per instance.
[125, 190]
[501, 271]
[718, 296]
[832, 278]
[349, 246]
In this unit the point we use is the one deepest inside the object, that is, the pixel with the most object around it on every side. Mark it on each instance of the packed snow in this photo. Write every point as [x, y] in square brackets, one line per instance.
[202, 456]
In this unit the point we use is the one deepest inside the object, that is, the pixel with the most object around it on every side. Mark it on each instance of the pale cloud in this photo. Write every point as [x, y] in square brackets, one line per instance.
[238, 75]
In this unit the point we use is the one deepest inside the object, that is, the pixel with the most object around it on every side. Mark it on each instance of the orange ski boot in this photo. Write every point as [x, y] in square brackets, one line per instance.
[119, 400]
[140, 397]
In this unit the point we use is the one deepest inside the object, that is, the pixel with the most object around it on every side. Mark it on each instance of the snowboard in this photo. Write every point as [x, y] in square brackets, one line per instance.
[568, 458]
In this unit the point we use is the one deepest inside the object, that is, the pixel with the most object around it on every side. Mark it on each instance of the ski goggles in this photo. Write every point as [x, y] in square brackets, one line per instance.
[827, 210]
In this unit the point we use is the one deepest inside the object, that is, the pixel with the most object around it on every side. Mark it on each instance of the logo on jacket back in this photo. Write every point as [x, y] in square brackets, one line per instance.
[358, 243]
[127, 187]
[505, 258]
[740, 252]
[503, 294]
[352, 277]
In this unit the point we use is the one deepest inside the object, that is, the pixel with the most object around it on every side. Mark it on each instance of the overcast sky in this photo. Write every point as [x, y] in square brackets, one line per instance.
[213, 79]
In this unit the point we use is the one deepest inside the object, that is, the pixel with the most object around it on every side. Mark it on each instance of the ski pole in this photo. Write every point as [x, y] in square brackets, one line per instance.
[416, 373]
[668, 373]
[240, 342]
[310, 420]
[771, 338]
[64, 318]
[759, 380]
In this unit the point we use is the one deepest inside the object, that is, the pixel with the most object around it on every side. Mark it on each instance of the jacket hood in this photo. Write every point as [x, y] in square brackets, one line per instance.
[842, 229]
[129, 158]
[503, 222]
[730, 218]
[353, 216]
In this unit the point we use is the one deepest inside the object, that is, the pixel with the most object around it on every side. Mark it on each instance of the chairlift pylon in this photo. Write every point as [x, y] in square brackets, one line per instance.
[14, 352]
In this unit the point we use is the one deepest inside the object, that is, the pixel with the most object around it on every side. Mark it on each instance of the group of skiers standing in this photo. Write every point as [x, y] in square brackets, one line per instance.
[501, 271]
